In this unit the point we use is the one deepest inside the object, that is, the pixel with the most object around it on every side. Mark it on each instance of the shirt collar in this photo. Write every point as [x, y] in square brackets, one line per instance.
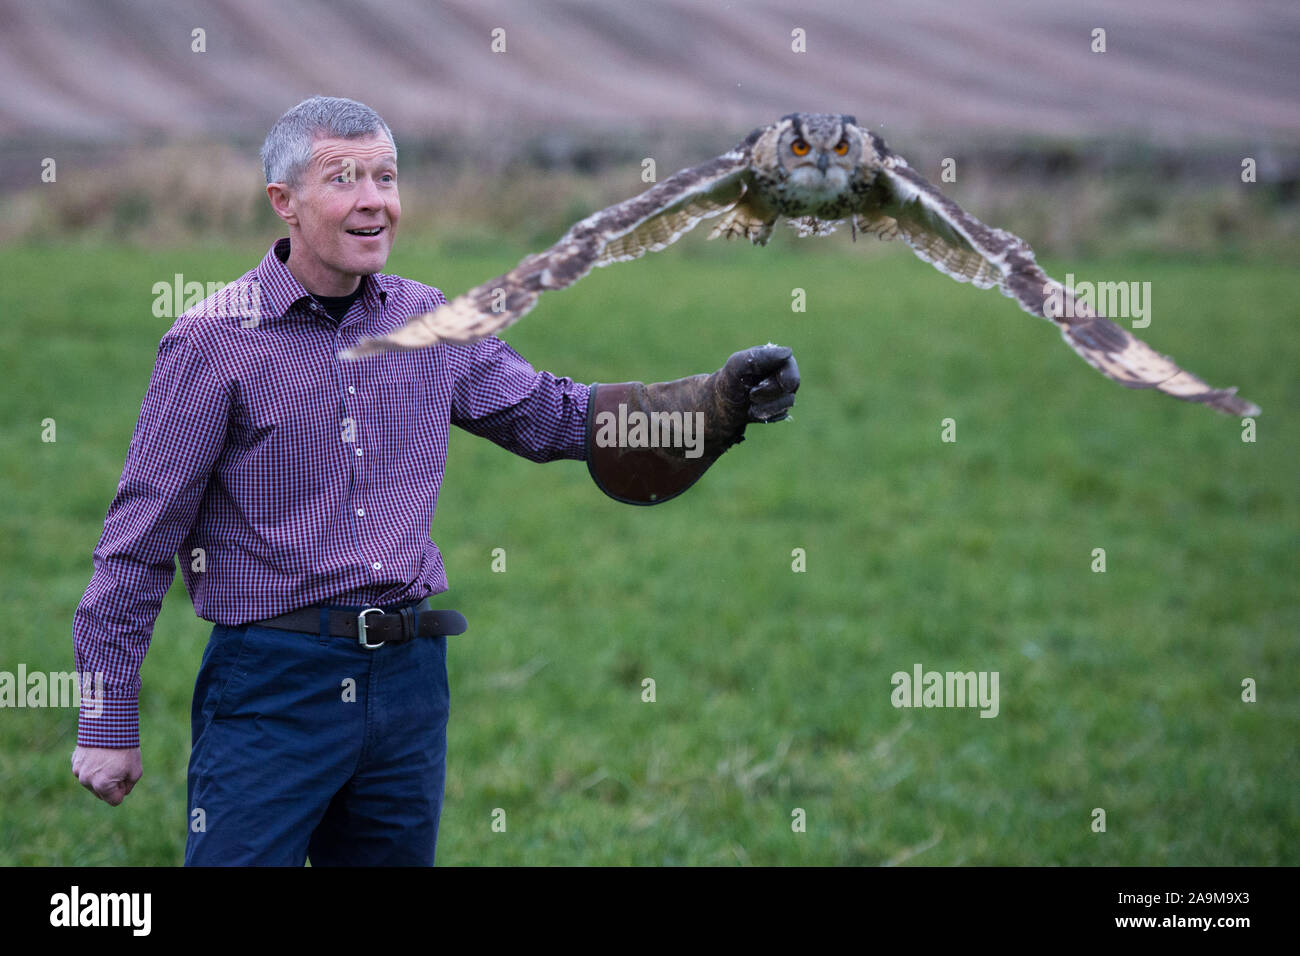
[280, 290]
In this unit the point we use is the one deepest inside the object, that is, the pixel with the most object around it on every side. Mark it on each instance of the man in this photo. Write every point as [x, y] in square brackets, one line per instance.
[298, 491]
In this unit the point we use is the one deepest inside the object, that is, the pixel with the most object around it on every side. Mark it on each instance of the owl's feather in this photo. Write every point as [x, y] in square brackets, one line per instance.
[664, 228]
[762, 179]
[959, 245]
[628, 230]
[750, 218]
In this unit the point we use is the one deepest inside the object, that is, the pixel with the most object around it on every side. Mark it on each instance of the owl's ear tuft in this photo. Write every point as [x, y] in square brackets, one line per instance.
[848, 120]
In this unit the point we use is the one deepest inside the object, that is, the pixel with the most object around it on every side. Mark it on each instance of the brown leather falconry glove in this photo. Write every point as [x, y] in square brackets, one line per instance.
[649, 443]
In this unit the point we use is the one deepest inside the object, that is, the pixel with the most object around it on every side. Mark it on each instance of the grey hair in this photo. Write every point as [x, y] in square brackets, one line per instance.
[287, 149]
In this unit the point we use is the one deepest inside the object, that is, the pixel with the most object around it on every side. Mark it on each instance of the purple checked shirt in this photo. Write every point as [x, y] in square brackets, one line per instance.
[281, 476]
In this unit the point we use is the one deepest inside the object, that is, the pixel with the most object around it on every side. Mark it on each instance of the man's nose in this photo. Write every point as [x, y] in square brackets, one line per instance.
[368, 194]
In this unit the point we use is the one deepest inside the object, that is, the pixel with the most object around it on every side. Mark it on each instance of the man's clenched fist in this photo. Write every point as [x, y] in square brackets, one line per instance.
[768, 376]
[108, 773]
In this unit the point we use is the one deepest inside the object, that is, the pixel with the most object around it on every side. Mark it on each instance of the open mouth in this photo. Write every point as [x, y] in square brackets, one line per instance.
[369, 233]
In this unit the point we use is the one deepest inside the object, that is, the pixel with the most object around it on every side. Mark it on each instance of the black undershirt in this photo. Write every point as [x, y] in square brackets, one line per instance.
[337, 305]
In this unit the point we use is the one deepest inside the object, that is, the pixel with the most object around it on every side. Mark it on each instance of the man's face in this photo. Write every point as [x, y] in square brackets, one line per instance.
[348, 189]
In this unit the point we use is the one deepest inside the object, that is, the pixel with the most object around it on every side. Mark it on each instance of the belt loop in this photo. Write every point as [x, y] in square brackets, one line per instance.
[324, 623]
[408, 623]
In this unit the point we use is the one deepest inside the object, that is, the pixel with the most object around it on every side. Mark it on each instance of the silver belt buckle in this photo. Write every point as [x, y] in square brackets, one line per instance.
[361, 628]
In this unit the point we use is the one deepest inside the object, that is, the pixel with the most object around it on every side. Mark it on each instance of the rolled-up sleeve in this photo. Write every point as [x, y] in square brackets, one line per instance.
[177, 439]
[499, 396]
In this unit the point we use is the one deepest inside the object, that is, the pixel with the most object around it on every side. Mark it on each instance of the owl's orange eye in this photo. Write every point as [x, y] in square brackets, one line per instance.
[841, 147]
[799, 147]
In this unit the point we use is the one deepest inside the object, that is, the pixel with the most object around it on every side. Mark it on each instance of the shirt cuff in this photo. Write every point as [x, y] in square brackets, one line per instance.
[109, 722]
[577, 438]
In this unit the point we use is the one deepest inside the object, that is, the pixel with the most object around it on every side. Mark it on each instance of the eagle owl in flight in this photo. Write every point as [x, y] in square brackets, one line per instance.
[818, 170]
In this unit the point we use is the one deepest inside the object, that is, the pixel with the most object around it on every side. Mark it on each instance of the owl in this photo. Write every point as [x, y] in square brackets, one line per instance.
[818, 171]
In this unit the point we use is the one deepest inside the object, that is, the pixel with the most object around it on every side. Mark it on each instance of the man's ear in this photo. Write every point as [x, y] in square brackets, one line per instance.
[282, 202]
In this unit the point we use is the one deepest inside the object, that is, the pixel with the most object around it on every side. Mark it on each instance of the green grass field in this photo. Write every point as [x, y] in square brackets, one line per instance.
[1119, 690]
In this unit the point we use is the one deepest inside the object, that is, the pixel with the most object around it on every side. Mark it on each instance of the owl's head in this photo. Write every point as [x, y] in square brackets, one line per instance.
[819, 149]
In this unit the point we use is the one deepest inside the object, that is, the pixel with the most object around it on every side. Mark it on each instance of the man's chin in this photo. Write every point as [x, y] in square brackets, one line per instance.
[368, 263]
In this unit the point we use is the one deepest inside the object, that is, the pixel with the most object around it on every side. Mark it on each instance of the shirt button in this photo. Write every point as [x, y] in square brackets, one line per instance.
[358, 451]
[377, 566]
[361, 512]
[351, 390]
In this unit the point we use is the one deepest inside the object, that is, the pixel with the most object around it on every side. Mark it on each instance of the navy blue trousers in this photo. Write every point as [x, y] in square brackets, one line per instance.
[309, 746]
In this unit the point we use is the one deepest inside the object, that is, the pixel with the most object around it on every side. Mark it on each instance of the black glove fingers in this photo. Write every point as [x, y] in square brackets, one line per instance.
[789, 376]
[772, 411]
[783, 381]
[766, 390]
[754, 364]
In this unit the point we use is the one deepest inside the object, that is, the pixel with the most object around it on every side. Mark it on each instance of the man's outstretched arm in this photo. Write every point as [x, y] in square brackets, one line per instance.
[649, 443]
[643, 444]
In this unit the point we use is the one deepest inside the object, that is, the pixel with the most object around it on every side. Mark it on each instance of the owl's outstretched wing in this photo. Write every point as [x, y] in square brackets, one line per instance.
[628, 230]
[902, 202]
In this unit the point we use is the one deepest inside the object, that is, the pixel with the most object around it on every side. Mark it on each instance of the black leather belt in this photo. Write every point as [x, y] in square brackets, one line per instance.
[373, 627]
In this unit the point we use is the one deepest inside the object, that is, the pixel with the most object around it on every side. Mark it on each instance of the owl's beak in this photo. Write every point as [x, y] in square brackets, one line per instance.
[823, 160]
